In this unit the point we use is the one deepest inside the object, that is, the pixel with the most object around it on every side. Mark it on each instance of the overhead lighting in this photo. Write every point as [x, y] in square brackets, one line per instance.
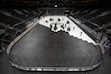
[55, 5]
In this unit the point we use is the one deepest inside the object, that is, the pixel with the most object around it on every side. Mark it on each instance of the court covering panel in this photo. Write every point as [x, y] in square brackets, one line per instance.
[41, 47]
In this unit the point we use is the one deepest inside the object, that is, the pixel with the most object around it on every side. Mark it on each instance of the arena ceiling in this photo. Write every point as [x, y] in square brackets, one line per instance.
[52, 3]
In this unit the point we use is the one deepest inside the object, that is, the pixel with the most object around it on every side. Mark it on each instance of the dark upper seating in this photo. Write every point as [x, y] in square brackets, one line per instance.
[9, 17]
[89, 16]
[103, 20]
[21, 13]
[8, 20]
[85, 15]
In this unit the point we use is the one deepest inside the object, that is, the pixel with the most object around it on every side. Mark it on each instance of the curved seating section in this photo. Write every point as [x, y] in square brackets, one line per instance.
[97, 22]
[46, 50]
[14, 22]
[99, 16]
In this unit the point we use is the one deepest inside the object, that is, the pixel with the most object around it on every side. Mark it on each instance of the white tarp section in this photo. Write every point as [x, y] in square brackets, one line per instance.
[64, 23]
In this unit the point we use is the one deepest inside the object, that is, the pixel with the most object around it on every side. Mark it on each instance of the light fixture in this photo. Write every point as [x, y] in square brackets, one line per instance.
[55, 5]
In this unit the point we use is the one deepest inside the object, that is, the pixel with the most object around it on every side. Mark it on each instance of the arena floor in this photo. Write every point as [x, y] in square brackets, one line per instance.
[41, 47]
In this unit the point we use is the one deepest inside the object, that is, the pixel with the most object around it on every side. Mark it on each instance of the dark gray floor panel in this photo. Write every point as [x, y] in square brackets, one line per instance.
[43, 48]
